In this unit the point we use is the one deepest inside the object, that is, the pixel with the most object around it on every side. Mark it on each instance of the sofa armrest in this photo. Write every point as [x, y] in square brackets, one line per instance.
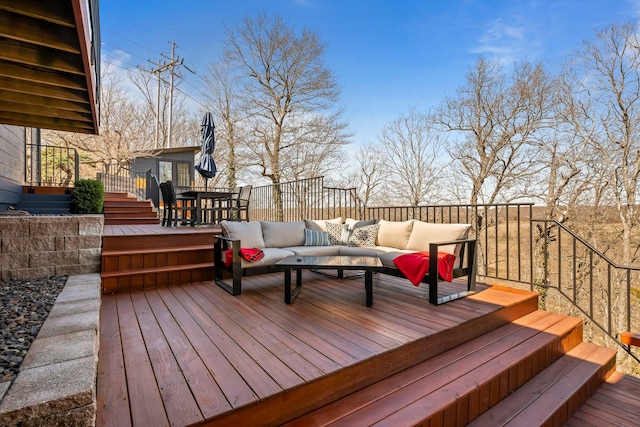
[469, 270]
[236, 265]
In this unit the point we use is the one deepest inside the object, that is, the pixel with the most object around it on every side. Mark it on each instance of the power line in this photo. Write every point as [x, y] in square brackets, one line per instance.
[161, 67]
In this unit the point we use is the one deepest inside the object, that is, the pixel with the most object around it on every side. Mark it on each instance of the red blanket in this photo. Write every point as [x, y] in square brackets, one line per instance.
[250, 254]
[414, 266]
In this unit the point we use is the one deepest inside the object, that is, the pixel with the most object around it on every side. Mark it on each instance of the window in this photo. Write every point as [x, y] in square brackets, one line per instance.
[166, 171]
[184, 178]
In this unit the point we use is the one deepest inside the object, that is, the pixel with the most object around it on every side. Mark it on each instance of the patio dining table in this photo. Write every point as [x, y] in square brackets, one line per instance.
[219, 204]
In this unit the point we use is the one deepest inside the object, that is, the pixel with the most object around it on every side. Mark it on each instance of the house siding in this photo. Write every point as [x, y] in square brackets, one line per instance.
[12, 161]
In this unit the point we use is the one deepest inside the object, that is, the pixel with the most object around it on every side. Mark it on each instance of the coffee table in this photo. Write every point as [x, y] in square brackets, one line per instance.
[368, 264]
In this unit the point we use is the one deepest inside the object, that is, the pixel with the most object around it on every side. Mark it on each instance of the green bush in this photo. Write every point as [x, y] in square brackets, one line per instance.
[88, 197]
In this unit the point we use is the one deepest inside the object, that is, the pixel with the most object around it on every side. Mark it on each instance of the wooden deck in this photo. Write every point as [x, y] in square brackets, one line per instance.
[193, 354]
[178, 353]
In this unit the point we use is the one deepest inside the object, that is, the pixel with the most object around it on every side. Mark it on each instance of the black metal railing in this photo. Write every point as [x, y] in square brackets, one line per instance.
[567, 268]
[306, 198]
[48, 165]
[502, 231]
[123, 179]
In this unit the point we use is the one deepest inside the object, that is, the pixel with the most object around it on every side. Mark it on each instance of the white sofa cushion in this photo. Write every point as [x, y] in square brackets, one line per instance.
[249, 233]
[282, 234]
[394, 234]
[426, 232]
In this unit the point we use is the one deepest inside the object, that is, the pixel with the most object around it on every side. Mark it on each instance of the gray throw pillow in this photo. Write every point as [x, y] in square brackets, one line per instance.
[364, 236]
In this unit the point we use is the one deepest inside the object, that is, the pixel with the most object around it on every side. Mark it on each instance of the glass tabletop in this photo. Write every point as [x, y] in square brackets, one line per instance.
[339, 261]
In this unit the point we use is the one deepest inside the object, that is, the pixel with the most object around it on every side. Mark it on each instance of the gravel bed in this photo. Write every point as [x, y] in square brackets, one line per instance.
[24, 306]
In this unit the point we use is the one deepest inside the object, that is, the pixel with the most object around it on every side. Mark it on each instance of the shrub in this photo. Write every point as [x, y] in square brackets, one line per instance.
[88, 197]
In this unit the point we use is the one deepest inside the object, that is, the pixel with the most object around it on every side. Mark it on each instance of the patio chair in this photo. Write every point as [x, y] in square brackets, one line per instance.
[176, 205]
[240, 204]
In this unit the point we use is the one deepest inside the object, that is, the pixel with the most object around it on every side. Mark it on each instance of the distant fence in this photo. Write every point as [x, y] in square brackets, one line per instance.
[51, 166]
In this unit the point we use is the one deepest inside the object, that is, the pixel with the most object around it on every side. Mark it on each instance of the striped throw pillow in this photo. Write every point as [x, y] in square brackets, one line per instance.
[315, 238]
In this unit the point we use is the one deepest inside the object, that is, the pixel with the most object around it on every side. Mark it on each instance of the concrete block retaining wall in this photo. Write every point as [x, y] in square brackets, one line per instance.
[39, 246]
[56, 385]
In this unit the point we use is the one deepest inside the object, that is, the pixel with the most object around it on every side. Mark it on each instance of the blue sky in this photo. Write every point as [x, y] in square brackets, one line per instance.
[388, 55]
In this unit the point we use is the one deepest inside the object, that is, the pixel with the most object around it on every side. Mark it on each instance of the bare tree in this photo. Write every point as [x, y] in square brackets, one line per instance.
[221, 95]
[372, 173]
[288, 94]
[496, 118]
[413, 154]
[119, 132]
[610, 100]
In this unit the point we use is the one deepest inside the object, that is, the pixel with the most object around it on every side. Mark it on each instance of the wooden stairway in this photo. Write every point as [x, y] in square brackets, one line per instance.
[158, 258]
[120, 208]
[533, 371]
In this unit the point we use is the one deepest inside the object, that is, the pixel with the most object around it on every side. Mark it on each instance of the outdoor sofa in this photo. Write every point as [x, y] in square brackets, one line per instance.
[384, 239]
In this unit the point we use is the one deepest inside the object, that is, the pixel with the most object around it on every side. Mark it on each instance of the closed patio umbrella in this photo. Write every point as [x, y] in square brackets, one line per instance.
[206, 166]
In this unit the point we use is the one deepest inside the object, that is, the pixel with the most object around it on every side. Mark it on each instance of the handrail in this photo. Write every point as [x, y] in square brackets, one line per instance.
[51, 165]
[123, 179]
[590, 280]
[629, 338]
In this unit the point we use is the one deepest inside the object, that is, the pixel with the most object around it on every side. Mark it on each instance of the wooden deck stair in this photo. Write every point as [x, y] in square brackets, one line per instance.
[120, 208]
[533, 371]
[156, 259]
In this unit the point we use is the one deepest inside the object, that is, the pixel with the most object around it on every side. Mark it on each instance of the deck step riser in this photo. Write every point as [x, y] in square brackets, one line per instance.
[132, 263]
[456, 387]
[552, 397]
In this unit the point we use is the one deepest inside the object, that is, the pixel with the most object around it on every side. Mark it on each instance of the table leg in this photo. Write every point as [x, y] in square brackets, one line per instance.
[289, 295]
[368, 287]
[287, 286]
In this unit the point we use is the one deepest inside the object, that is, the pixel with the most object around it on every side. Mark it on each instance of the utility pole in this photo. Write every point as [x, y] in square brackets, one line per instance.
[161, 67]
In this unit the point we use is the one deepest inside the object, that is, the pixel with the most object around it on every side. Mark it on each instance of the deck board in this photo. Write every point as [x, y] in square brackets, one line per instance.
[193, 352]
[615, 403]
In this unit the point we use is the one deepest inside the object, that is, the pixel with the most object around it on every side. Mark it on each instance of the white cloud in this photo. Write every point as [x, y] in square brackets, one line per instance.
[506, 40]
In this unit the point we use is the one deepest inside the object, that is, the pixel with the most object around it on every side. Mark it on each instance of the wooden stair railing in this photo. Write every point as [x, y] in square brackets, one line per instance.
[630, 338]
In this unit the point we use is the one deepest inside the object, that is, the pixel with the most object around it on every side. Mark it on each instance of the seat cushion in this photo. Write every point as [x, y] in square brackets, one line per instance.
[394, 234]
[282, 234]
[359, 250]
[271, 256]
[249, 233]
[331, 250]
[386, 258]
